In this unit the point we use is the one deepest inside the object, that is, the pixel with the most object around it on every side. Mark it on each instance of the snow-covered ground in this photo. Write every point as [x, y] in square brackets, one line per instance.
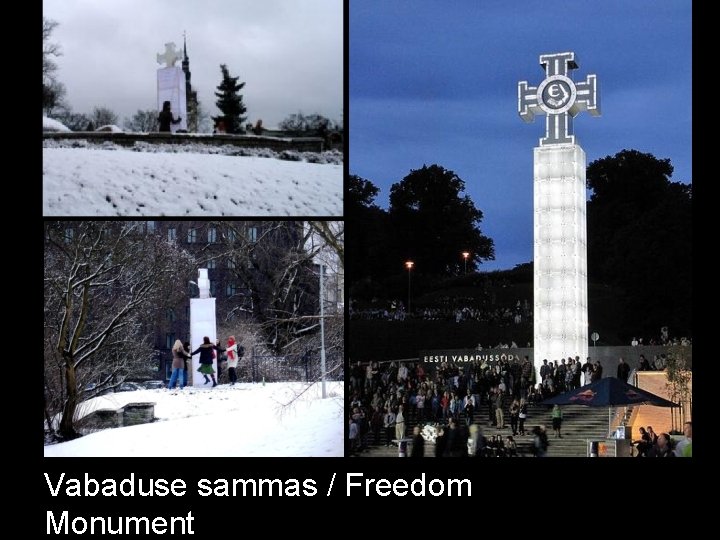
[118, 182]
[49, 124]
[241, 420]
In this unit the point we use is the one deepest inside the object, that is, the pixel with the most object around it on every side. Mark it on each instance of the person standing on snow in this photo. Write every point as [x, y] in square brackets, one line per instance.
[232, 359]
[206, 351]
[165, 118]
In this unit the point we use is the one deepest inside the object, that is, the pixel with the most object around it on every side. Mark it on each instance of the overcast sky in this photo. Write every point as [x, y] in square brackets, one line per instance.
[436, 82]
[289, 53]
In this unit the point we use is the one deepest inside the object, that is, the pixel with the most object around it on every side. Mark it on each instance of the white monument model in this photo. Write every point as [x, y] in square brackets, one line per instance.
[202, 323]
[171, 86]
[560, 325]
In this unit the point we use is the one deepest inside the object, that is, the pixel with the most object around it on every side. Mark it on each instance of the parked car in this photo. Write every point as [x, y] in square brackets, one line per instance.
[150, 385]
[128, 387]
[91, 390]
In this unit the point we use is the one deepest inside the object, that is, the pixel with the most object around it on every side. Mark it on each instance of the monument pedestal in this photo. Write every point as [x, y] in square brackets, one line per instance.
[202, 323]
[560, 326]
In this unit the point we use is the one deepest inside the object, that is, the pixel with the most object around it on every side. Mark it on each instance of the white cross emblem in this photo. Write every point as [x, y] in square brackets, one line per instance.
[170, 57]
[558, 97]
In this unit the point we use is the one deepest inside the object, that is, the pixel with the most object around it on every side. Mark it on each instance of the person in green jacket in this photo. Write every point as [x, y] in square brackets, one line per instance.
[557, 420]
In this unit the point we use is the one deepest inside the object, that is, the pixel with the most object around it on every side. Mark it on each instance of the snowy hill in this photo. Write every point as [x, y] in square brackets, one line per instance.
[115, 182]
[53, 125]
[241, 420]
[111, 128]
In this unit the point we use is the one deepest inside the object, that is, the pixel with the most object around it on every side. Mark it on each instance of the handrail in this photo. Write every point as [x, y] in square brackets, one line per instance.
[633, 377]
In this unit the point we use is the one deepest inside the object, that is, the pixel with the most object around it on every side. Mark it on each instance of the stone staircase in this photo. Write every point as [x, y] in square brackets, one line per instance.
[579, 424]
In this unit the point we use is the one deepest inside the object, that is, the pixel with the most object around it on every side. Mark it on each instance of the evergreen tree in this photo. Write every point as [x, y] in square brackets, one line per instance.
[230, 103]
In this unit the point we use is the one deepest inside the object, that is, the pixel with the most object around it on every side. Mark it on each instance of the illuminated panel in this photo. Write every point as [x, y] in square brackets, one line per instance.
[560, 325]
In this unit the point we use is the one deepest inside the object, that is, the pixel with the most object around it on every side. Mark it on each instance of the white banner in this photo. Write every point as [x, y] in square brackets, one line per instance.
[171, 87]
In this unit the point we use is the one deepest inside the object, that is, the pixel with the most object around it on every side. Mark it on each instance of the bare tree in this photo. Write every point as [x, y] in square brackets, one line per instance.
[75, 121]
[143, 121]
[54, 93]
[332, 234]
[53, 90]
[294, 122]
[104, 282]
[275, 279]
[204, 124]
[50, 50]
[299, 122]
[103, 116]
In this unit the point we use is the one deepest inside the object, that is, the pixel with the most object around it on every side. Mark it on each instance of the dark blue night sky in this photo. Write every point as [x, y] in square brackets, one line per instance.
[436, 82]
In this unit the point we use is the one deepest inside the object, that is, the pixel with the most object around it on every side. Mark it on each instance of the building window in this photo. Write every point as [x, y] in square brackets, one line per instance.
[69, 234]
[211, 264]
[212, 235]
[150, 226]
[252, 234]
[230, 263]
[170, 315]
[232, 235]
[169, 340]
[213, 289]
[172, 234]
[230, 289]
[192, 236]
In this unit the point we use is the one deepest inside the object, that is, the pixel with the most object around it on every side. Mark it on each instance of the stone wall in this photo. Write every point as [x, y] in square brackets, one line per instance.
[300, 144]
[660, 418]
[138, 413]
[129, 415]
[608, 356]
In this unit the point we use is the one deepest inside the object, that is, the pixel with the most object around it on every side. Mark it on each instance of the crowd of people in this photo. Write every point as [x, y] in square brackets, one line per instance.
[451, 309]
[651, 444]
[384, 398]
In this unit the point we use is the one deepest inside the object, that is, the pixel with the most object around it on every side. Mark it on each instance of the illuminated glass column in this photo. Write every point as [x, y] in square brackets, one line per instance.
[560, 320]
[560, 254]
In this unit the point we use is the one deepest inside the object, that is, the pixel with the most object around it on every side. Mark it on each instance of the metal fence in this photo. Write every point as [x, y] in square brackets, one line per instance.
[291, 367]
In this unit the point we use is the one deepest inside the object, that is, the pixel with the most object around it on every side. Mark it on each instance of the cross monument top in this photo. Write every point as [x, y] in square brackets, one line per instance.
[558, 97]
[170, 57]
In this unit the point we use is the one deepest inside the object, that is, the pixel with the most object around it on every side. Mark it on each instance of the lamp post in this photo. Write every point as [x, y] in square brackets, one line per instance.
[322, 330]
[465, 255]
[409, 265]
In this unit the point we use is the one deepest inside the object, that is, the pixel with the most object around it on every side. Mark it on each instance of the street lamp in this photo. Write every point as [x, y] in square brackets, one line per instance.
[465, 255]
[409, 265]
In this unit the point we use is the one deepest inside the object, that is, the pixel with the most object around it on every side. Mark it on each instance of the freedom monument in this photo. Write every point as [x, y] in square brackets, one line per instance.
[202, 322]
[171, 86]
[560, 314]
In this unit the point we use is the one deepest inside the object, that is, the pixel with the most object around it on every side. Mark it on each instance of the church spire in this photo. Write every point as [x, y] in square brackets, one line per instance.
[190, 94]
[186, 63]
